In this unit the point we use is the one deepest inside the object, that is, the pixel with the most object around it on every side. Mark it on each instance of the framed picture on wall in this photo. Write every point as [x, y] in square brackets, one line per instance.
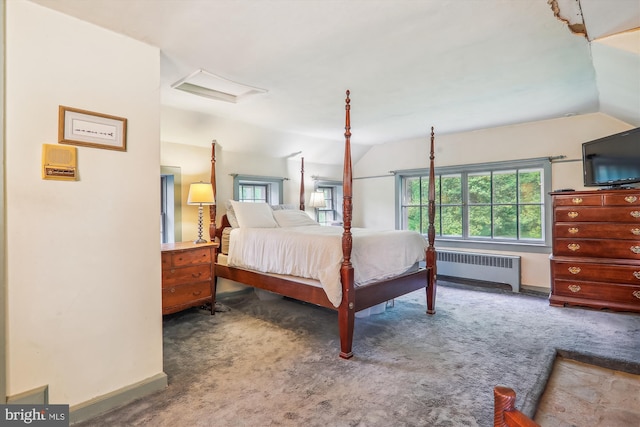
[89, 129]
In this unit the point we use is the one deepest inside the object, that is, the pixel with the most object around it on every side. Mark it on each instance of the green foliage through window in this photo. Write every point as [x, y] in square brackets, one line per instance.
[496, 204]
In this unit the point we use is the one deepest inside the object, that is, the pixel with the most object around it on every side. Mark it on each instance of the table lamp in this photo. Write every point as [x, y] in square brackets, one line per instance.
[200, 193]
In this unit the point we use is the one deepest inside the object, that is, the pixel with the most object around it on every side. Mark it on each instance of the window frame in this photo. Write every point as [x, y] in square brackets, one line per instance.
[521, 245]
[170, 204]
[337, 194]
[275, 186]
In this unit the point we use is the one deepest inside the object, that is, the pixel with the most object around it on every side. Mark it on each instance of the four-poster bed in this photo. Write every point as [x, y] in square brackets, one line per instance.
[352, 297]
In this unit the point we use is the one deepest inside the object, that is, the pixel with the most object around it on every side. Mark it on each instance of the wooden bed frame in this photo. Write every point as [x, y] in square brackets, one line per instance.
[353, 298]
[505, 413]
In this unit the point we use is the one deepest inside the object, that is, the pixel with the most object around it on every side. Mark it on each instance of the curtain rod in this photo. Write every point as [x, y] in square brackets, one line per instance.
[259, 177]
[374, 176]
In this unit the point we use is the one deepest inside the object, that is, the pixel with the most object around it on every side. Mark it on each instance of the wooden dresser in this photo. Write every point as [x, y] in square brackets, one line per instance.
[596, 249]
[187, 275]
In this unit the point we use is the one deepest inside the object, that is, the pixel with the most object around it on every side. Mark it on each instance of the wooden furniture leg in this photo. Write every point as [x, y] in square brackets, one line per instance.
[505, 413]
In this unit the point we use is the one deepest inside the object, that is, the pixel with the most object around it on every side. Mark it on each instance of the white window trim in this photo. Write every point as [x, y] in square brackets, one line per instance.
[523, 246]
[276, 189]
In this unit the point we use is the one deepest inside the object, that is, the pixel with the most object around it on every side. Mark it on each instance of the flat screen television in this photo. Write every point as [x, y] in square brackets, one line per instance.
[612, 161]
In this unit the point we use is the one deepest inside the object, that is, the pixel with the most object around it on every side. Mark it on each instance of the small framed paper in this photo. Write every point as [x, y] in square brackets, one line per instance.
[89, 129]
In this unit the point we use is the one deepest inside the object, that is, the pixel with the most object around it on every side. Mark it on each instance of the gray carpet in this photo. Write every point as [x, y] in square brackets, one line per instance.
[275, 363]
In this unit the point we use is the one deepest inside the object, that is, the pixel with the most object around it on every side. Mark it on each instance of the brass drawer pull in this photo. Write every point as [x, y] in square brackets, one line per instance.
[574, 288]
[636, 294]
[635, 214]
[573, 214]
[636, 274]
[573, 247]
[574, 270]
[577, 200]
[635, 249]
[574, 230]
[630, 199]
[196, 275]
[635, 231]
[196, 293]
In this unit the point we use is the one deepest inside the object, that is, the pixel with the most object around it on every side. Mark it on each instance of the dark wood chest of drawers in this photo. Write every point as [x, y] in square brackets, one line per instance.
[596, 249]
[187, 275]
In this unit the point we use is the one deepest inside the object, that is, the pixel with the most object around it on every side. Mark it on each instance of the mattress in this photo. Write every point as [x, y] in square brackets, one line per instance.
[315, 252]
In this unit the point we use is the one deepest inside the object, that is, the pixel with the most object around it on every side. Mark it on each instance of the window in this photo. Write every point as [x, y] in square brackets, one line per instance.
[254, 193]
[165, 182]
[327, 214]
[497, 203]
[170, 212]
[332, 212]
[256, 189]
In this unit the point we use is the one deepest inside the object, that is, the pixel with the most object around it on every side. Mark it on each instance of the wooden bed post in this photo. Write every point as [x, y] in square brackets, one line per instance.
[346, 311]
[212, 208]
[302, 185]
[505, 413]
[431, 235]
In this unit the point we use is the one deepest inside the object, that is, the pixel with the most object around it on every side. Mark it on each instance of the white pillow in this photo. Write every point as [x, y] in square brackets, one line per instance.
[254, 215]
[231, 215]
[280, 207]
[293, 218]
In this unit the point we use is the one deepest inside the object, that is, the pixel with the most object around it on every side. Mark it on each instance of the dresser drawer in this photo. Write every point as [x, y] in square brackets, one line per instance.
[166, 260]
[622, 199]
[595, 214]
[628, 274]
[175, 298]
[188, 274]
[624, 231]
[190, 257]
[188, 278]
[617, 293]
[578, 200]
[625, 249]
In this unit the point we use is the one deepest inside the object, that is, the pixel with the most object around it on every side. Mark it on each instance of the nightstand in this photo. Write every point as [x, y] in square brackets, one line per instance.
[188, 278]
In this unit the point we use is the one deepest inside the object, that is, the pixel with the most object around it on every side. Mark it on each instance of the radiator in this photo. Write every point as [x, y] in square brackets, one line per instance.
[485, 267]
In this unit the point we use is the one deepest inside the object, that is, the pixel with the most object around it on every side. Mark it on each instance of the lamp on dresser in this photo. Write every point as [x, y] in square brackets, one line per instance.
[200, 193]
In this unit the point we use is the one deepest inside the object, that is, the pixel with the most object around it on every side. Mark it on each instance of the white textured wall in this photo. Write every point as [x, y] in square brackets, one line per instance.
[374, 198]
[83, 264]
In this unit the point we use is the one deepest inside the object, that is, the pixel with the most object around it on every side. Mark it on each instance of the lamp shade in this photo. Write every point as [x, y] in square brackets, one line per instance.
[201, 193]
[317, 200]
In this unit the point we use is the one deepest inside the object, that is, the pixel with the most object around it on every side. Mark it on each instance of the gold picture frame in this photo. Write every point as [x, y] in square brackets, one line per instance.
[90, 129]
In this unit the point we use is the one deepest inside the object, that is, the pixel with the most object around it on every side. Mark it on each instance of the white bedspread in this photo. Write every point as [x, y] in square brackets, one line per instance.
[315, 252]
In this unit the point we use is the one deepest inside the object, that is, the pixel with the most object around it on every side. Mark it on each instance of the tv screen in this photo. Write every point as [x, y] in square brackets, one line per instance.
[613, 160]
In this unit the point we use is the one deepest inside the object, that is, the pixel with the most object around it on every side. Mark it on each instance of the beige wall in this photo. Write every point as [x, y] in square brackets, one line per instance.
[374, 198]
[83, 264]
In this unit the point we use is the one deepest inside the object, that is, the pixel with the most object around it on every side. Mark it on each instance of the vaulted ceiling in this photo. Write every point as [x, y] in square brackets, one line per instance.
[457, 65]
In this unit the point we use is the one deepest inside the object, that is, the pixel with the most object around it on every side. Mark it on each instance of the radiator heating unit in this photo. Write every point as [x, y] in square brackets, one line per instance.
[485, 267]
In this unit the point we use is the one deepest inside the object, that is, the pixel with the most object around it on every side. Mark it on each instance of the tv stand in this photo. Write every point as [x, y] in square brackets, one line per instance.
[596, 249]
[618, 187]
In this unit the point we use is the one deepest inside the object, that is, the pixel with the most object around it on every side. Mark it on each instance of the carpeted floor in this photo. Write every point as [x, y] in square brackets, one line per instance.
[275, 363]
